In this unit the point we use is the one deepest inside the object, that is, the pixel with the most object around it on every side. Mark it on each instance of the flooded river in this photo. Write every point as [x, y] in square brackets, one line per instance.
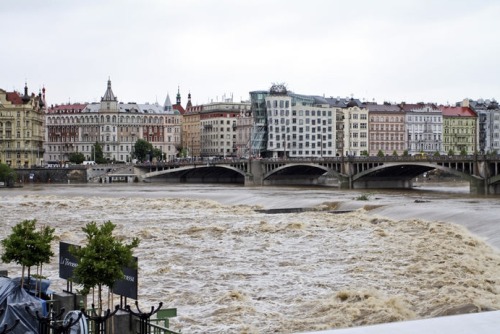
[229, 267]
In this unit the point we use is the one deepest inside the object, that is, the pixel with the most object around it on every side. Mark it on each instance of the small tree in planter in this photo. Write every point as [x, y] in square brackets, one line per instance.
[101, 261]
[28, 247]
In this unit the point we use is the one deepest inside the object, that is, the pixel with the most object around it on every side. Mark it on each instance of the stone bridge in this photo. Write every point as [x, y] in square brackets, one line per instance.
[481, 171]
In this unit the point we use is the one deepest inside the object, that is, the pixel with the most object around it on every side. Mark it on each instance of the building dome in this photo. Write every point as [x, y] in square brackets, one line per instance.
[278, 89]
[352, 103]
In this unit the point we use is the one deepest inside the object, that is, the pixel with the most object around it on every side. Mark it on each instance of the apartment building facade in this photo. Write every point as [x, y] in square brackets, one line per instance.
[488, 113]
[218, 128]
[459, 130]
[21, 128]
[299, 125]
[387, 129]
[191, 131]
[424, 129]
[116, 126]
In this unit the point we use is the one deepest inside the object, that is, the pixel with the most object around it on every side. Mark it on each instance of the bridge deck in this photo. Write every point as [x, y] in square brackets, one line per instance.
[484, 323]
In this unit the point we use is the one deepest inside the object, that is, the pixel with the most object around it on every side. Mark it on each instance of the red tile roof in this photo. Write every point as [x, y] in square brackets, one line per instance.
[179, 108]
[14, 98]
[457, 111]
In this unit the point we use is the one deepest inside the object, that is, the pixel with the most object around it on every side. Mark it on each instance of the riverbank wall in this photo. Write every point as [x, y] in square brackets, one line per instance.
[76, 174]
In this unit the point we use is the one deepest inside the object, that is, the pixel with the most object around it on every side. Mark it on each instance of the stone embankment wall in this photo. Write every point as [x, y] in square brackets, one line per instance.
[76, 174]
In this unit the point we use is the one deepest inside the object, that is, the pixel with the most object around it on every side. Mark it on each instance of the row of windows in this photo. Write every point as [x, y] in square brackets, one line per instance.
[112, 119]
[434, 119]
[311, 153]
[299, 145]
[301, 137]
[307, 113]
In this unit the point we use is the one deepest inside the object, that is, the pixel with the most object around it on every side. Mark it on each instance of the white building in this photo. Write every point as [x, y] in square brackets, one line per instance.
[355, 130]
[116, 126]
[299, 125]
[424, 126]
[218, 128]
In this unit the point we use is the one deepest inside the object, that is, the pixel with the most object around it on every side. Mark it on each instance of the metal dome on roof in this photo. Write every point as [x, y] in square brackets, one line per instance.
[352, 103]
[278, 89]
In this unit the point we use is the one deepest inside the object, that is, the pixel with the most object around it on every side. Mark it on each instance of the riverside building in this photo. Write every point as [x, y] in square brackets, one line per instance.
[21, 128]
[424, 128]
[299, 125]
[459, 130]
[488, 112]
[116, 126]
[218, 128]
[387, 129]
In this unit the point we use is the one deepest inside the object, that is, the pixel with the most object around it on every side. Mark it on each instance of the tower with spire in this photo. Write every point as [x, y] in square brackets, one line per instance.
[177, 106]
[109, 102]
[189, 104]
[167, 106]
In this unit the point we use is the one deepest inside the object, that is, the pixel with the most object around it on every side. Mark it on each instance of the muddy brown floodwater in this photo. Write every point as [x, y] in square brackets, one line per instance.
[228, 268]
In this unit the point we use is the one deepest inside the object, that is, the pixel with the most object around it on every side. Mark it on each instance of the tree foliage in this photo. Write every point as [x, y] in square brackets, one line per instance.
[76, 157]
[97, 154]
[28, 246]
[380, 153]
[7, 174]
[102, 259]
[143, 150]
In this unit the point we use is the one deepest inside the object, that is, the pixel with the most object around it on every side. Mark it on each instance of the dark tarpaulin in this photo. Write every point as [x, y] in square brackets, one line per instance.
[13, 300]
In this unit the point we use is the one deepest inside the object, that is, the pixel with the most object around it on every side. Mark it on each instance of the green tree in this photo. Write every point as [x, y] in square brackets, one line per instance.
[364, 153]
[436, 154]
[101, 261]
[463, 151]
[157, 153]
[142, 150]
[28, 247]
[97, 154]
[451, 152]
[395, 153]
[380, 153]
[183, 153]
[405, 153]
[76, 157]
[7, 175]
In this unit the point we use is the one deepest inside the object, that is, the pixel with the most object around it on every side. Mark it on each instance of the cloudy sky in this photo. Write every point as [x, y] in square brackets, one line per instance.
[386, 50]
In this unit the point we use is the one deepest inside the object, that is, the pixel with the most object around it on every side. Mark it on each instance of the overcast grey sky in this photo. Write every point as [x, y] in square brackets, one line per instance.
[387, 50]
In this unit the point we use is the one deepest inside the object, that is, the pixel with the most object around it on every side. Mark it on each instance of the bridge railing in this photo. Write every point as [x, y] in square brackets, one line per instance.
[388, 158]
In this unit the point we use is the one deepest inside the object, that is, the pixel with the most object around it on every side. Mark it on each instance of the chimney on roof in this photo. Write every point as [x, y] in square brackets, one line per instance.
[465, 103]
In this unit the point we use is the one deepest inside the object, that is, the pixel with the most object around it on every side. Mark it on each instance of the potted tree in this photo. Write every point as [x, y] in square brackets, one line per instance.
[28, 247]
[102, 259]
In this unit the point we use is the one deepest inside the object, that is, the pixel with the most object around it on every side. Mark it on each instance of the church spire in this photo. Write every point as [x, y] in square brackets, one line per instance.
[189, 104]
[167, 106]
[178, 98]
[109, 96]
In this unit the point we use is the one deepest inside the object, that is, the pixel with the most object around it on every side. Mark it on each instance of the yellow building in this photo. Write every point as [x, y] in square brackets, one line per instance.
[21, 128]
[191, 131]
[459, 130]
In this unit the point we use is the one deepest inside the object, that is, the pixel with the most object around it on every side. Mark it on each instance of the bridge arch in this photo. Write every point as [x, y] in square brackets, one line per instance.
[400, 174]
[406, 171]
[198, 173]
[300, 173]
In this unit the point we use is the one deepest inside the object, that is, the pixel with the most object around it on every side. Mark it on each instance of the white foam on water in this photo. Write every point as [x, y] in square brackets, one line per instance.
[230, 269]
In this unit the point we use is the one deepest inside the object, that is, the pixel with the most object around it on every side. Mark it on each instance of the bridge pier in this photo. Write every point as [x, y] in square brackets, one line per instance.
[479, 187]
[255, 175]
